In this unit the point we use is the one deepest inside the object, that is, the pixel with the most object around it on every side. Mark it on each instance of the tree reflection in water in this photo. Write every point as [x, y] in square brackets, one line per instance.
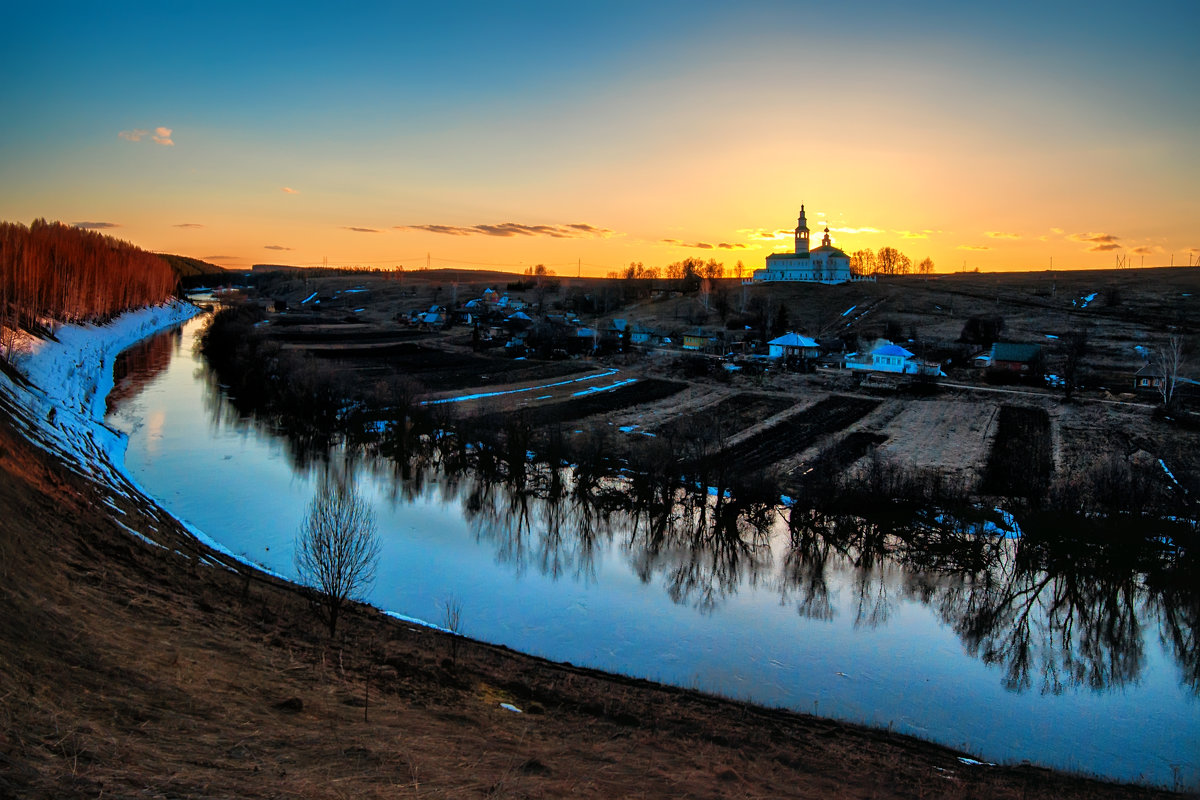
[1053, 612]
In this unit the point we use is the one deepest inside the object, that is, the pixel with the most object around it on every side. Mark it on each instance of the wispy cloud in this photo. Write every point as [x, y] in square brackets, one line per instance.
[913, 234]
[577, 230]
[275, 247]
[1192, 250]
[973, 247]
[704, 245]
[95, 226]
[361, 230]
[765, 235]
[856, 230]
[221, 258]
[160, 135]
[289, 190]
[1147, 249]
[1099, 242]
[188, 225]
[1058, 231]
[1002, 235]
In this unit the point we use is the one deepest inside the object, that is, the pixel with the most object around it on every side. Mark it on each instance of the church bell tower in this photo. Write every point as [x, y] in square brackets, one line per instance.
[802, 235]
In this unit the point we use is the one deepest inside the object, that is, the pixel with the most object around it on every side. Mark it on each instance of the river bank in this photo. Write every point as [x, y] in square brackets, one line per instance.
[131, 664]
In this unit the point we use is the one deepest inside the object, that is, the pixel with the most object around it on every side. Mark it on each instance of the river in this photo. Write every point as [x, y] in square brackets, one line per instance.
[836, 617]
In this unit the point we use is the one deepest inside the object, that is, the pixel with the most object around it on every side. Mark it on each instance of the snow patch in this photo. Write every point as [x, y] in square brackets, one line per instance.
[543, 387]
[598, 389]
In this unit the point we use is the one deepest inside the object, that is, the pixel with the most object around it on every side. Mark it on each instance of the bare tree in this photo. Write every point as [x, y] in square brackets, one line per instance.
[863, 262]
[337, 549]
[1169, 361]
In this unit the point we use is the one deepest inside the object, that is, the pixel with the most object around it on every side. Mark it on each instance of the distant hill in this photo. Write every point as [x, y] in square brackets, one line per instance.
[192, 270]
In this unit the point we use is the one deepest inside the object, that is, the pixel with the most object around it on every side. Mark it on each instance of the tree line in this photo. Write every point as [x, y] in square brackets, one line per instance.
[887, 261]
[53, 271]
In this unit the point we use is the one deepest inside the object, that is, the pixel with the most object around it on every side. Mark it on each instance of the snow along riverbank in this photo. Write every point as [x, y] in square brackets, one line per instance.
[69, 377]
[63, 405]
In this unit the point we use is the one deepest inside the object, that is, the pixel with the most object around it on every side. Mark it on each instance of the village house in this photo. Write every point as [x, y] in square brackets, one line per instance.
[1012, 361]
[637, 334]
[886, 356]
[697, 340]
[1148, 379]
[793, 345]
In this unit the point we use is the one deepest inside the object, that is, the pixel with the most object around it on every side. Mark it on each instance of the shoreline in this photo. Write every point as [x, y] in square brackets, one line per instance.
[371, 618]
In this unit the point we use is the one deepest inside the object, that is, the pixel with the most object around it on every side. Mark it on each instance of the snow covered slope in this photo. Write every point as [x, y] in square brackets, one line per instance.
[63, 408]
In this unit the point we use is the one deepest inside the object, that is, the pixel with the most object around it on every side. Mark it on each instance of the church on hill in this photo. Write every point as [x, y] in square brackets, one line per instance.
[824, 264]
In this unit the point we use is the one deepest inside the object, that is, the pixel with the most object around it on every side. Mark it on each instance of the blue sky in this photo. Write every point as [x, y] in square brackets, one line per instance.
[933, 124]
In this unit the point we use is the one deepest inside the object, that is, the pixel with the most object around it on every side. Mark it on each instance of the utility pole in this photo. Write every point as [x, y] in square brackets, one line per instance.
[578, 267]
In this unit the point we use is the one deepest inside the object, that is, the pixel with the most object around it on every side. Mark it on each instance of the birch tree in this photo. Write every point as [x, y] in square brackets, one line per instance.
[1169, 360]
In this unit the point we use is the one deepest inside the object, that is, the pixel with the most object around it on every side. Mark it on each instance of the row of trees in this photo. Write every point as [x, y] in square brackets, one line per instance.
[58, 272]
[887, 261]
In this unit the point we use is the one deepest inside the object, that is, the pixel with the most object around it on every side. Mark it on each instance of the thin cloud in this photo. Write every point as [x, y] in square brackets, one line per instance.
[289, 190]
[1147, 249]
[1058, 231]
[1100, 242]
[679, 243]
[95, 226]
[161, 135]
[856, 230]
[1094, 238]
[1002, 235]
[188, 225]
[733, 246]
[1192, 250]
[767, 236]
[221, 258]
[913, 234]
[575, 230]
[275, 247]
[360, 230]
[973, 247]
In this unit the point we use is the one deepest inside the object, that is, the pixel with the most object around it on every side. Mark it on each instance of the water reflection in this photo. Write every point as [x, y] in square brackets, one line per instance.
[1053, 612]
[1050, 617]
[136, 367]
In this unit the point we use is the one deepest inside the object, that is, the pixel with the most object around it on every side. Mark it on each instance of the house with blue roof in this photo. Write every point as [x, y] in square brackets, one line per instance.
[886, 356]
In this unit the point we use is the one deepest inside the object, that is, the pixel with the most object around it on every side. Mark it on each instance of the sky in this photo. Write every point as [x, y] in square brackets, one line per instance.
[589, 136]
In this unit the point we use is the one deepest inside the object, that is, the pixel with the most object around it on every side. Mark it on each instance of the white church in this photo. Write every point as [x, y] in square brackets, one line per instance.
[824, 264]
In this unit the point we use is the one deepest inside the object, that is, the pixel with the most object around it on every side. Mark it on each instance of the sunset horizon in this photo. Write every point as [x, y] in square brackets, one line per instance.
[1013, 139]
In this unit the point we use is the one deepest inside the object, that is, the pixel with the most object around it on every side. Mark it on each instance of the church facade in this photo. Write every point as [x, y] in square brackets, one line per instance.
[823, 264]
